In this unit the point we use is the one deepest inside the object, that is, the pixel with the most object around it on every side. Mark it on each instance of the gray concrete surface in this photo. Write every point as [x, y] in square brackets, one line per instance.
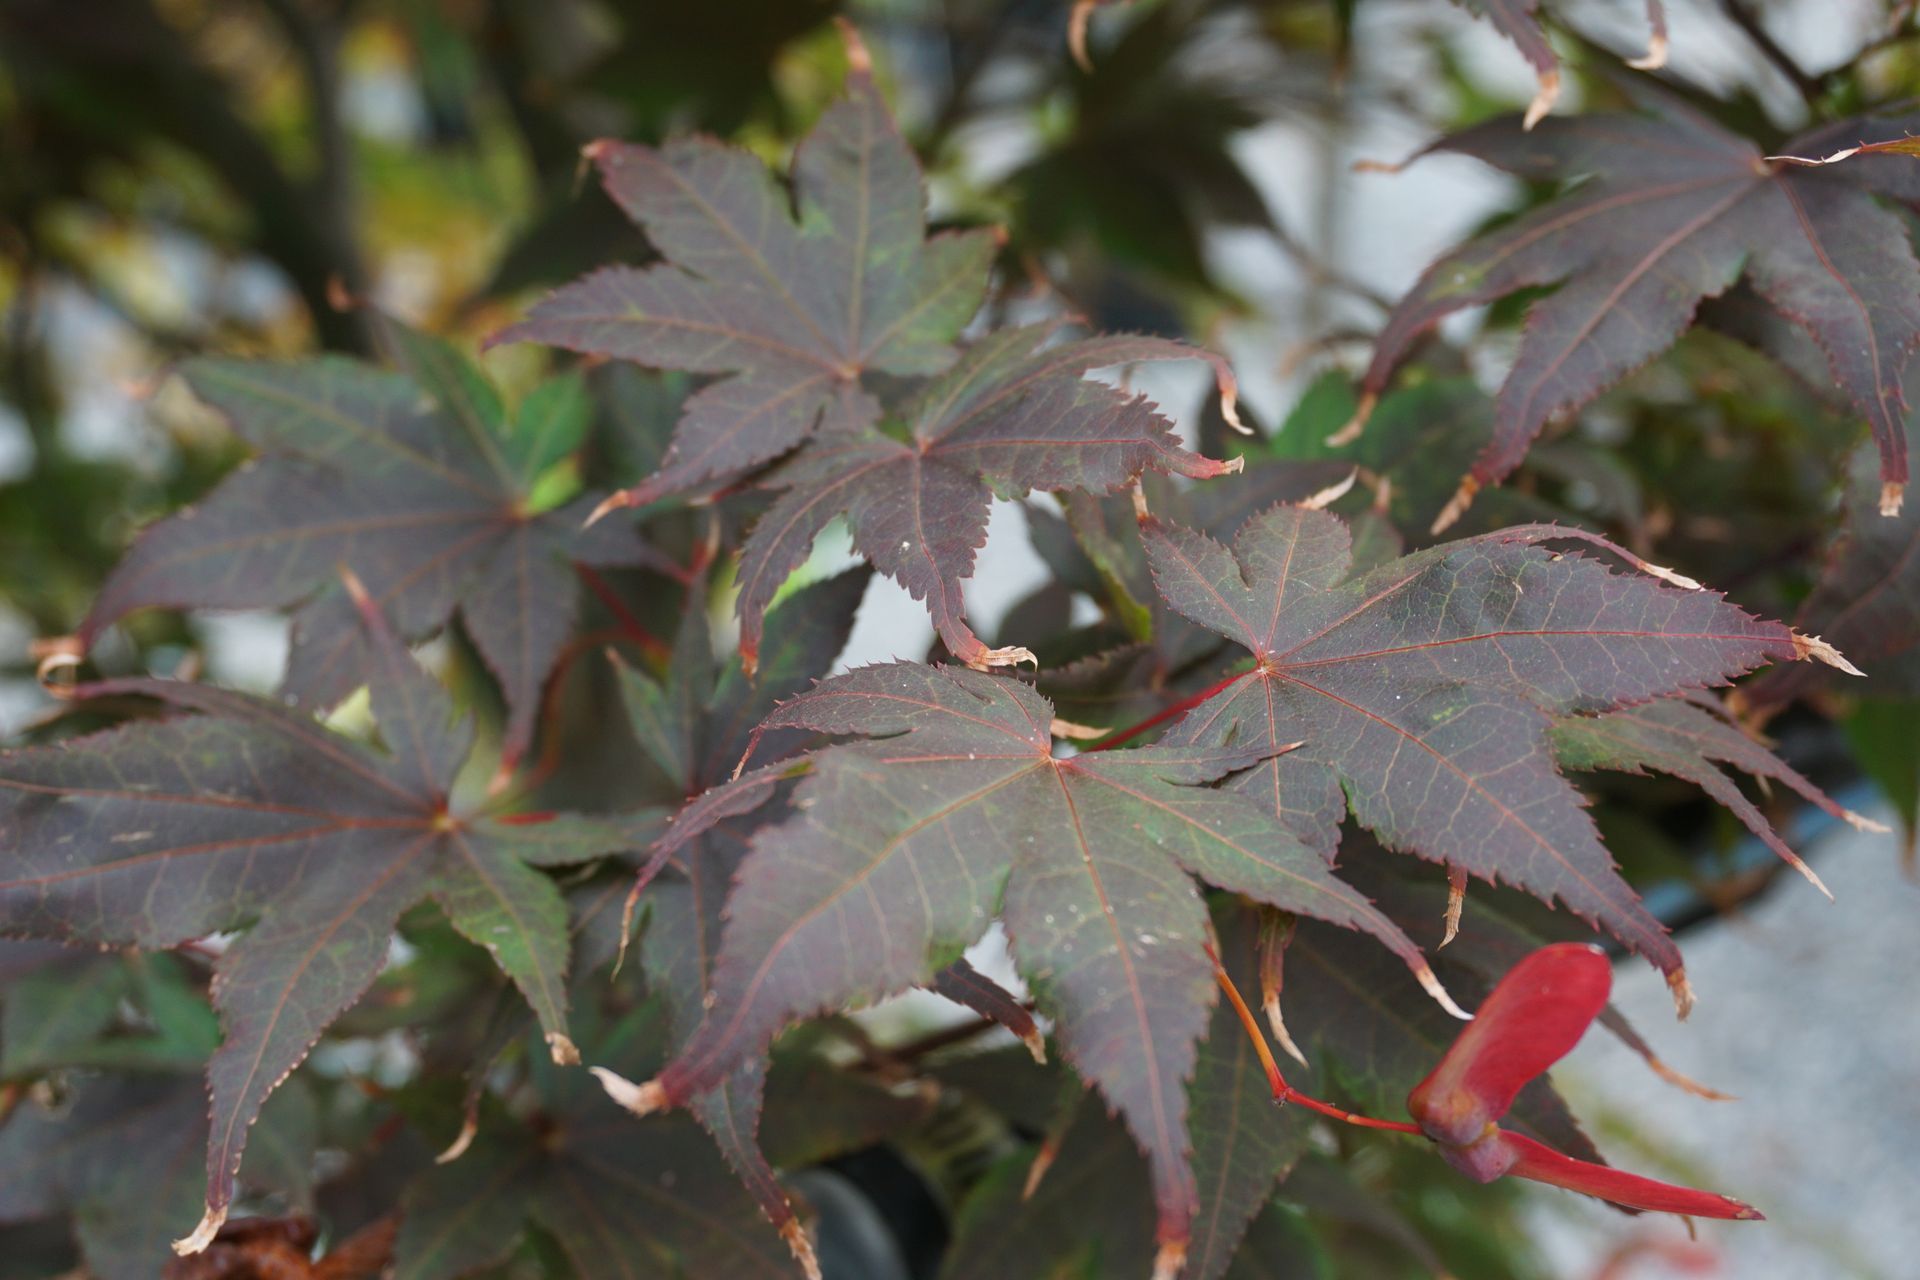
[1808, 1014]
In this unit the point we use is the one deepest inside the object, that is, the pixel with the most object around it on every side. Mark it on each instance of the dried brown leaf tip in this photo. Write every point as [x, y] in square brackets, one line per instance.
[1903, 146]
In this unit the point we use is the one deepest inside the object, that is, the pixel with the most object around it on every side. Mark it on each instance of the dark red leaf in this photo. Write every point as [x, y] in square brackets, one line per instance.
[1672, 209]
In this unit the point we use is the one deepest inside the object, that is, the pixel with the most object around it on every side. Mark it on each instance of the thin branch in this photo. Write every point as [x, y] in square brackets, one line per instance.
[1749, 23]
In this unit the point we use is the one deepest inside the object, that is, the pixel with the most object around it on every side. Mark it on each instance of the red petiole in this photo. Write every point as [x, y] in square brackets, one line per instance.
[1165, 714]
[1282, 1091]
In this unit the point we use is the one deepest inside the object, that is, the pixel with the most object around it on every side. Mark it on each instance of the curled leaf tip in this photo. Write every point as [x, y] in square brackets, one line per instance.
[1819, 650]
[1456, 506]
[1811, 876]
[469, 1127]
[1543, 100]
[1433, 988]
[641, 1099]
[202, 1236]
[1682, 993]
[357, 592]
[53, 656]
[1077, 20]
[1011, 656]
[1380, 166]
[565, 1052]
[1351, 429]
[1036, 1045]
[1861, 822]
[1042, 1161]
[1068, 729]
[1230, 400]
[1276, 1024]
[1665, 574]
[1685, 1083]
[613, 503]
[1331, 494]
[1138, 493]
[1233, 466]
[801, 1246]
[1656, 55]
[859, 61]
[1169, 1259]
[1892, 494]
[1456, 904]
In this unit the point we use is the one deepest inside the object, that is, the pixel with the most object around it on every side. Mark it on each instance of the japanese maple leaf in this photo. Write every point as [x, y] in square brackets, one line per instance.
[621, 1202]
[799, 310]
[796, 305]
[1692, 739]
[1519, 21]
[250, 816]
[1010, 417]
[420, 482]
[1533, 1018]
[949, 810]
[1671, 209]
[1423, 690]
[119, 1161]
[697, 724]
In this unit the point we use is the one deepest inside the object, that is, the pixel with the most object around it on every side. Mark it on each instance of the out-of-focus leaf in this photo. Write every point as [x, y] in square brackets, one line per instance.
[419, 485]
[121, 1160]
[697, 725]
[1673, 209]
[623, 1199]
[1867, 601]
[250, 815]
[1519, 21]
[1887, 747]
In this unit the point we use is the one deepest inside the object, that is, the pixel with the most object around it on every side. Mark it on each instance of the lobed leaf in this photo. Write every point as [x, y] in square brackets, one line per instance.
[248, 815]
[795, 299]
[951, 810]
[426, 500]
[1666, 209]
[1423, 690]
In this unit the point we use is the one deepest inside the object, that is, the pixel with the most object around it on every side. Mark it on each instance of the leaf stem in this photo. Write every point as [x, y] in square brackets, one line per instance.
[1165, 714]
[1749, 23]
[630, 626]
[1282, 1091]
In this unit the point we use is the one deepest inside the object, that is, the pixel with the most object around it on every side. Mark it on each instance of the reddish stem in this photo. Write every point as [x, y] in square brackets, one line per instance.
[1165, 714]
[1282, 1091]
[630, 626]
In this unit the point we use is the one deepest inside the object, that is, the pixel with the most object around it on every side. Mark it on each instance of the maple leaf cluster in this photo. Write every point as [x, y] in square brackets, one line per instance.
[1298, 742]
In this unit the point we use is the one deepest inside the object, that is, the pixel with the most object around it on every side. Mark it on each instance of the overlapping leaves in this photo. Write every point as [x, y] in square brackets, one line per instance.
[829, 321]
[245, 814]
[696, 725]
[1423, 689]
[619, 1201]
[422, 483]
[1519, 21]
[951, 810]
[1669, 208]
